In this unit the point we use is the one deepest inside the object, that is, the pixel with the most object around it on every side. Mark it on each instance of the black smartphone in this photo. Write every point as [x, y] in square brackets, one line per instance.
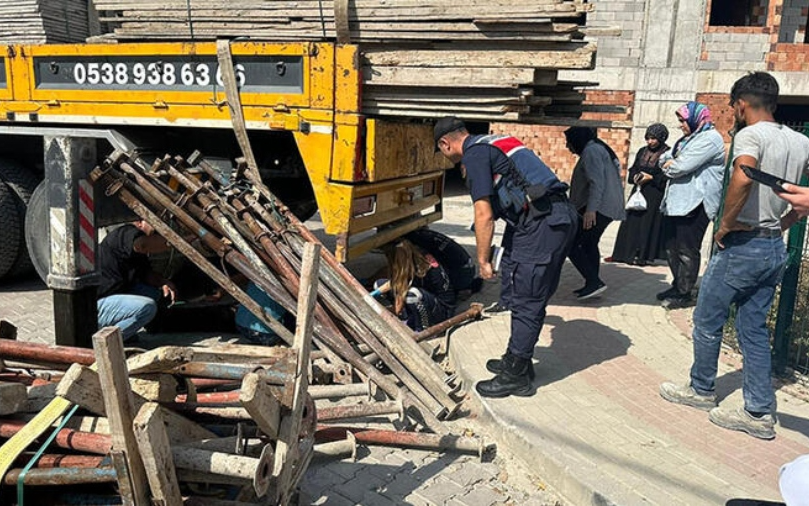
[776, 183]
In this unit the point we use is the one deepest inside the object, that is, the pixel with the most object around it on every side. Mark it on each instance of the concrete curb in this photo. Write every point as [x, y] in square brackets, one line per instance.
[536, 453]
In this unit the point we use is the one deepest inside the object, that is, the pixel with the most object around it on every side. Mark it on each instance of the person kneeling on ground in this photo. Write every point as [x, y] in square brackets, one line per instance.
[453, 258]
[130, 289]
[420, 287]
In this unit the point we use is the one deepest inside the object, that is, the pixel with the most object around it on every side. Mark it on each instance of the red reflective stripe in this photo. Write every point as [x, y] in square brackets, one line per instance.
[506, 144]
[88, 254]
[87, 225]
[86, 197]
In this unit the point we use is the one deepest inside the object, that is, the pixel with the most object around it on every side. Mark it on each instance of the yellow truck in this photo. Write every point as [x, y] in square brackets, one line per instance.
[302, 110]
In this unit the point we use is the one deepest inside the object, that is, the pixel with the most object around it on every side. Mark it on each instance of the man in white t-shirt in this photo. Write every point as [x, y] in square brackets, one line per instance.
[748, 264]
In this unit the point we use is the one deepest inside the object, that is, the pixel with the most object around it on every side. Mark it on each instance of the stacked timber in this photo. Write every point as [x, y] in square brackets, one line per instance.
[386, 21]
[44, 21]
[488, 60]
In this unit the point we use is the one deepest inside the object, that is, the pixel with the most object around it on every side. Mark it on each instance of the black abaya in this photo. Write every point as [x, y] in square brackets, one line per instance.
[640, 237]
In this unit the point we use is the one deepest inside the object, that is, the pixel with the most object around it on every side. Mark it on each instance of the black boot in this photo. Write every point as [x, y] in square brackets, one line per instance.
[495, 365]
[512, 380]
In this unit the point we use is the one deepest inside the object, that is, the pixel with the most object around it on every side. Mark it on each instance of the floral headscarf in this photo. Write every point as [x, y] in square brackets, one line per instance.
[698, 118]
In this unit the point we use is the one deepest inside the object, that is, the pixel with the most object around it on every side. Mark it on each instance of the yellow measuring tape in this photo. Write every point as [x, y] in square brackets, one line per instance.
[10, 451]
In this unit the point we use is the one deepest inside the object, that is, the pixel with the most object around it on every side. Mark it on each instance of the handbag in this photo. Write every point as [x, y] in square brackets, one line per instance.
[636, 201]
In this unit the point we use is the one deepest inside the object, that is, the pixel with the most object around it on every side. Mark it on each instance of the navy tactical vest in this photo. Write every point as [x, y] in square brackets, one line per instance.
[526, 179]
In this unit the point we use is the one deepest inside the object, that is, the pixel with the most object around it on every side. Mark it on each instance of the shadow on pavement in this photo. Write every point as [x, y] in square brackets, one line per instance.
[578, 345]
[644, 286]
[31, 283]
[794, 423]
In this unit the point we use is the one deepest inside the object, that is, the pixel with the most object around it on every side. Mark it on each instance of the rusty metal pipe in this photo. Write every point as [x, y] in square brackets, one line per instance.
[231, 372]
[331, 413]
[340, 391]
[418, 440]
[66, 438]
[258, 470]
[62, 476]
[472, 313]
[337, 449]
[212, 398]
[316, 391]
[52, 460]
[209, 412]
[45, 354]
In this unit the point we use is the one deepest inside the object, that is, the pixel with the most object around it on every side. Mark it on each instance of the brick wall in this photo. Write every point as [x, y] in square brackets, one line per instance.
[624, 50]
[721, 112]
[793, 21]
[789, 57]
[549, 141]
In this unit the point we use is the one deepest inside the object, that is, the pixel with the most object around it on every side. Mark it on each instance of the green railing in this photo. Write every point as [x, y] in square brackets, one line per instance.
[789, 316]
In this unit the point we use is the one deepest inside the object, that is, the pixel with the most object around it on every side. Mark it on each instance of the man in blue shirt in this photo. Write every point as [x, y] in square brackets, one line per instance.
[508, 181]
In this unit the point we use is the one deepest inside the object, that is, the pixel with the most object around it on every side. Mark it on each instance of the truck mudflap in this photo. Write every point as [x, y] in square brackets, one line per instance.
[381, 212]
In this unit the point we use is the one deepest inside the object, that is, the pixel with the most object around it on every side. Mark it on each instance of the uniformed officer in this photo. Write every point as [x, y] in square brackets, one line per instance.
[506, 180]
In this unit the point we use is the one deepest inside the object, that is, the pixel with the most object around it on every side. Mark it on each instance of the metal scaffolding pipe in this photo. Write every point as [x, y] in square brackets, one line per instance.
[62, 476]
[66, 438]
[43, 353]
[419, 440]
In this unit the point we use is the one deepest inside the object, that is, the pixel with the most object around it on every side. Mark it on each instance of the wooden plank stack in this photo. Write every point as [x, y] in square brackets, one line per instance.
[43, 21]
[487, 60]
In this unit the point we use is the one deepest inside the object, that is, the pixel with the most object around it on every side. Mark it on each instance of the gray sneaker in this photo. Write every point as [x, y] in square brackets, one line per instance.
[740, 419]
[686, 395]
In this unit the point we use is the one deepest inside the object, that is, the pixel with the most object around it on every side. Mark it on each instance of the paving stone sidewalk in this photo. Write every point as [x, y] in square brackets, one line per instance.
[596, 429]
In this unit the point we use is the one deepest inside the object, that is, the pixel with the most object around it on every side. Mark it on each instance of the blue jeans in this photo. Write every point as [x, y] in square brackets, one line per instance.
[128, 311]
[744, 273]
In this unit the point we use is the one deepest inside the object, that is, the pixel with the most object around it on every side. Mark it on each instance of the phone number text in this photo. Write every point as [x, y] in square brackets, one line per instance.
[154, 73]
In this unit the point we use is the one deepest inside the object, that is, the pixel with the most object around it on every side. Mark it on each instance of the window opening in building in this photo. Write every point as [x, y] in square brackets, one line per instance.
[738, 13]
[806, 31]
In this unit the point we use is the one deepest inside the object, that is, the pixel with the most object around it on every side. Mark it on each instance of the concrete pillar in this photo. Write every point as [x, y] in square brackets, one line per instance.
[73, 276]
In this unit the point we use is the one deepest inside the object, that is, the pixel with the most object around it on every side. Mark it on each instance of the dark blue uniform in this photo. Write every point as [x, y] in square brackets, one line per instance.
[537, 243]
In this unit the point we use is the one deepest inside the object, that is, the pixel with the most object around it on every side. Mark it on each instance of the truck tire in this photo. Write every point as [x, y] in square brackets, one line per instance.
[22, 183]
[37, 231]
[9, 231]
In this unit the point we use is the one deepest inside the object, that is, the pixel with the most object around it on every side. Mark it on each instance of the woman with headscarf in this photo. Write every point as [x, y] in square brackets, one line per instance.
[639, 240]
[597, 193]
[695, 167]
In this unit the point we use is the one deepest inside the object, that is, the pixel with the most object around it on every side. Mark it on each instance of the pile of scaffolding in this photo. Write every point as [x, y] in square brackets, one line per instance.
[241, 419]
